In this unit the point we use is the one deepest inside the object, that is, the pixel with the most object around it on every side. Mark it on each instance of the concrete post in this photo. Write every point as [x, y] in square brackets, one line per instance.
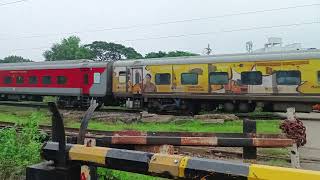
[294, 152]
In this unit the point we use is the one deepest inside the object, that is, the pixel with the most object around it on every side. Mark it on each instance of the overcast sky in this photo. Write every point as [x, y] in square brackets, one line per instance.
[28, 28]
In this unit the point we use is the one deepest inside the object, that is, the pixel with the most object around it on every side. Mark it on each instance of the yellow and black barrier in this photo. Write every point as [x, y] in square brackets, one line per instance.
[64, 161]
[174, 166]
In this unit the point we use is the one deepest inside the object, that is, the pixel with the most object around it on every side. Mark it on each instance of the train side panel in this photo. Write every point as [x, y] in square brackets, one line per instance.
[56, 82]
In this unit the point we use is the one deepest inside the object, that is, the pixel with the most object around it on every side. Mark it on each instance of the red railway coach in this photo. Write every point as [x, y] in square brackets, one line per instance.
[74, 83]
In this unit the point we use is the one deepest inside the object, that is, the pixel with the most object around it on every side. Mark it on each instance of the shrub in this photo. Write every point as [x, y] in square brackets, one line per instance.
[18, 149]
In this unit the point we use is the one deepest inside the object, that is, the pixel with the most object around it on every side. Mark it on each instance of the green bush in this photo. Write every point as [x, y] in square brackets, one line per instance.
[18, 149]
[108, 174]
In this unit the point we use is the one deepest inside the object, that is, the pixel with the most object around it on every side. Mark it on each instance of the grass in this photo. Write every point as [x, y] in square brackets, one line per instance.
[270, 126]
[17, 114]
[276, 162]
[274, 151]
[20, 114]
[121, 175]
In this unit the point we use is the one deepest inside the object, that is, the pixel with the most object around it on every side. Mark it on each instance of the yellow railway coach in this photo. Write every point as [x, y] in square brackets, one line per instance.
[236, 82]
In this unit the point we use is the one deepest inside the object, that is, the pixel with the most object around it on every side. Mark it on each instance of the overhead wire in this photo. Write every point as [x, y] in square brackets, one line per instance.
[226, 31]
[197, 34]
[12, 2]
[161, 23]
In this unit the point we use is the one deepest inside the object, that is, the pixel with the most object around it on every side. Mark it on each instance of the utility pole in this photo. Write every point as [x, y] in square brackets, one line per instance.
[249, 46]
[207, 50]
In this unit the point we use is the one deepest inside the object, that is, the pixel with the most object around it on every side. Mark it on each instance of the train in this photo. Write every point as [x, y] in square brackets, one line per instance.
[239, 82]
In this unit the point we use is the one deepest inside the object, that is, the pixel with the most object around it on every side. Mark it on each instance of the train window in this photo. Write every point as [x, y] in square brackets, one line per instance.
[122, 77]
[288, 77]
[189, 78]
[85, 79]
[137, 77]
[61, 80]
[7, 80]
[33, 80]
[96, 78]
[19, 80]
[46, 80]
[218, 78]
[251, 78]
[163, 79]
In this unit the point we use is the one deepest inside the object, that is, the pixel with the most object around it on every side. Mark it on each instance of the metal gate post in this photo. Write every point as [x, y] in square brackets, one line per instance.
[82, 132]
[294, 152]
[249, 153]
[59, 168]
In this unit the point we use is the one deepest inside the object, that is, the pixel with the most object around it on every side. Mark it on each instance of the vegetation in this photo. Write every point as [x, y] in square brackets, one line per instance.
[108, 174]
[68, 49]
[161, 54]
[269, 126]
[104, 51]
[19, 149]
[14, 59]
[16, 114]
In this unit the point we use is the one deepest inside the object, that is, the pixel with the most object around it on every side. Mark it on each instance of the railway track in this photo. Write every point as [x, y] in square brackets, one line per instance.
[125, 110]
[44, 105]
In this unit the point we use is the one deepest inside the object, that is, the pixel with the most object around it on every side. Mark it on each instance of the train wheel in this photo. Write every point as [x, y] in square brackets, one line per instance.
[252, 107]
[267, 107]
[61, 104]
[244, 107]
[229, 107]
[101, 105]
[193, 108]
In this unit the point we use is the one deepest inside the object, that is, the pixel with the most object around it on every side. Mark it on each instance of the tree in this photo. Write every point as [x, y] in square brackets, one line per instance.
[104, 51]
[68, 49]
[14, 59]
[161, 54]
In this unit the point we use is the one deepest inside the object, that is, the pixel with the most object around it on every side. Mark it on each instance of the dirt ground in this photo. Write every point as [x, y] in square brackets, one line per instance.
[128, 117]
[312, 149]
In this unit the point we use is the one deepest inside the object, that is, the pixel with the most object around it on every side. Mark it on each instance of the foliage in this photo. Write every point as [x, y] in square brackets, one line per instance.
[161, 54]
[14, 59]
[19, 149]
[104, 51]
[108, 174]
[185, 125]
[68, 49]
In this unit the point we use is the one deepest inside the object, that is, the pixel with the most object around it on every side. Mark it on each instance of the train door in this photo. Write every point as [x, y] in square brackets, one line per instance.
[120, 80]
[84, 83]
[136, 80]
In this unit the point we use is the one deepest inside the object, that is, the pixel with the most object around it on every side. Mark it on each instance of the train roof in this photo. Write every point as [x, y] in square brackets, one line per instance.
[225, 58]
[222, 58]
[67, 64]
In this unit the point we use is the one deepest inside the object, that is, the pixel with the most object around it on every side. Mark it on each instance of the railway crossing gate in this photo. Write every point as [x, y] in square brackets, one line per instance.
[63, 161]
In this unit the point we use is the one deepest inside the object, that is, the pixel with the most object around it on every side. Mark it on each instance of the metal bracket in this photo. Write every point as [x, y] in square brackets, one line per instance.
[58, 134]
[85, 122]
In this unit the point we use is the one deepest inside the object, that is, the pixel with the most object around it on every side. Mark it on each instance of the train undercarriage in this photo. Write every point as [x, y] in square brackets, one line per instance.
[62, 101]
[194, 106]
[173, 105]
